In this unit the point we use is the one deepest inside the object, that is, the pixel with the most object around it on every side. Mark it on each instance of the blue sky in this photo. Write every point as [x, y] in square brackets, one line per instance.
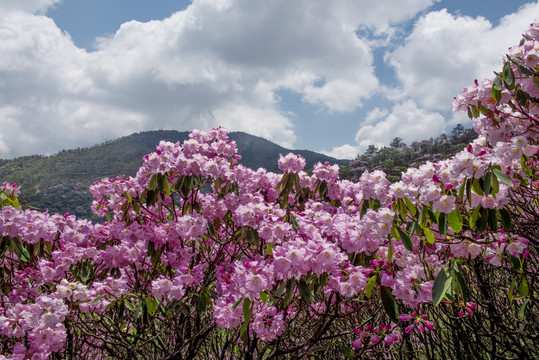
[329, 76]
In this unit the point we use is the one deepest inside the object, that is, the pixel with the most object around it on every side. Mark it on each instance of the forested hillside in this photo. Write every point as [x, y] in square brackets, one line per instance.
[398, 156]
[60, 182]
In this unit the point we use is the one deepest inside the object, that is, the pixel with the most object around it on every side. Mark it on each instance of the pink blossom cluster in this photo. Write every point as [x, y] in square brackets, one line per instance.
[369, 335]
[41, 322]
[420, 323]
[10, 189]
[291, 163]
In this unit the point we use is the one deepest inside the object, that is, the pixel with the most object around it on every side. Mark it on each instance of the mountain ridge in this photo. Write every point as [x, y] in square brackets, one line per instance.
[60, 182]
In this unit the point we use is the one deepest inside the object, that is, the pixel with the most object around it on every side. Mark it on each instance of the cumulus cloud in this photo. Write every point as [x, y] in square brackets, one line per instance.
[222, 62]
[218, 62]
[444, 53]
[345, 151]
[406, 120]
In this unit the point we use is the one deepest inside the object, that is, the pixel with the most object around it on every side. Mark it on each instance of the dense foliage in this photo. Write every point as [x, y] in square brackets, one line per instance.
[396, 158]
[441, 264]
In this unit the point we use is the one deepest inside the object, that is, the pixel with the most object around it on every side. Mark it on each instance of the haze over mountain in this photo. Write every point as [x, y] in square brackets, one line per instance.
[60, 182]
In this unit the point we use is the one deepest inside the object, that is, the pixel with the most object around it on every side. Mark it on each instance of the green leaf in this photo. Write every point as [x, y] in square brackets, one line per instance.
[369, 287]
[280, 289]
[432, 216]
[144, 312]
[473, 217]
[20, 250]
[429, 235]
[406, 240]
[364, 208]
[412, 227]
[536, 82]
[203, 301]
[511, 289]
[506, 218]
[523, 289]
[442, 283]
[247, 310]
[304, 290]
[442, 223]
[389, 304]
[403, 210]
[477, 188]
[462, 283]
[121, 309]
[497, 87]
[515, 263]
[475, 111]
[389, 251]
[492, 219]
[167, 186]
[524, 71]
[290, 285]
[294, 222]
[137, 310]
[502, 177]
[236, 303]
[346, 351]
[252, 237]
[469, 191]
[485, 111]
[487, 183]
[320, 283]
[420, 218]
[152, 306]
[153, 183]
[411, 207]
[522, 98]
[461, 191]
[455, 220]
[495, 186]
[523, 308]
[482, 221]
[509, 76]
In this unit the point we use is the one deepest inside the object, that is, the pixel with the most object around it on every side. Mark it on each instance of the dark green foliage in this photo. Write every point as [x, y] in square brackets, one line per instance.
[397, 158]
[60, 182]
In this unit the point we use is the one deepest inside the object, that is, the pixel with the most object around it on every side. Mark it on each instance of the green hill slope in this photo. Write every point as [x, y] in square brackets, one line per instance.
[60, 182]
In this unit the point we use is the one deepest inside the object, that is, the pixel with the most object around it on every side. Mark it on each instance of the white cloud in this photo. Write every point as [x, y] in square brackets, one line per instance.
[344, 152]
[221, 62]
[406, 121]
[215, 63]
[374, 115]
[444, 53]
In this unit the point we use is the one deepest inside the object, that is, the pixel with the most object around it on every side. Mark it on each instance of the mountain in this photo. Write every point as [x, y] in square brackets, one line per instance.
[60, 182]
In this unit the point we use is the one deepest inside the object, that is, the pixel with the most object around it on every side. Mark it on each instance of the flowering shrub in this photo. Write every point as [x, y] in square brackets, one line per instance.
[202, 257]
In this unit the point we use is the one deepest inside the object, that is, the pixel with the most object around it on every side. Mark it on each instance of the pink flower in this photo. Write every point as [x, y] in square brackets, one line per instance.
[390, 339]
[291, 163]
[357, 343]
[405, 317]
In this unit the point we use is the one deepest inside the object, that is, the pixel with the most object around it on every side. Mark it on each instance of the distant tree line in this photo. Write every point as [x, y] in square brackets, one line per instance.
[398, 156]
